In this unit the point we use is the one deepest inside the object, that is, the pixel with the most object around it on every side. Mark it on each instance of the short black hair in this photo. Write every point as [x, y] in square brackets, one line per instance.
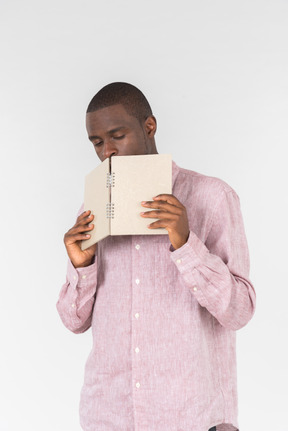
[132, 99]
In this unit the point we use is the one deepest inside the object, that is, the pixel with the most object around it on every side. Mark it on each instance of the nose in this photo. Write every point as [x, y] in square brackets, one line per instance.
[109, 149]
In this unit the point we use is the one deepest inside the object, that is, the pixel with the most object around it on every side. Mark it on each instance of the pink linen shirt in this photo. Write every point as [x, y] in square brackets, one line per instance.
[163, 320]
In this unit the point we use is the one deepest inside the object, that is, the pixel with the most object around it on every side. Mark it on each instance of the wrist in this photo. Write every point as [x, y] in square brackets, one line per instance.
[83, 264]
[180, 242]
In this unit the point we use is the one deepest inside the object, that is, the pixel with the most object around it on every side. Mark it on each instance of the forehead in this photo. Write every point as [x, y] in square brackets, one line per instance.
[106, 119]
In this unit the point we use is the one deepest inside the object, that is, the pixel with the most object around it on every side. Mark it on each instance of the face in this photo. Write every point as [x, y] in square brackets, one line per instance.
[113, 132]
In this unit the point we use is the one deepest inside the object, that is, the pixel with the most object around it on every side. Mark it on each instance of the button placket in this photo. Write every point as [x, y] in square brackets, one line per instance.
[137, 304]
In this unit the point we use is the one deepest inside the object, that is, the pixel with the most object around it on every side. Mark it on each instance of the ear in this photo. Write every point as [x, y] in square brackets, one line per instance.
[150, 125]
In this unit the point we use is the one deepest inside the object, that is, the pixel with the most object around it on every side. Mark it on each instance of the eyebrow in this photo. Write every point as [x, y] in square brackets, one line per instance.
[117, 129]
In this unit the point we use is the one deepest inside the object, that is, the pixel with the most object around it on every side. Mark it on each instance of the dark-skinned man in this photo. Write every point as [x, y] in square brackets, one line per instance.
[164, 308]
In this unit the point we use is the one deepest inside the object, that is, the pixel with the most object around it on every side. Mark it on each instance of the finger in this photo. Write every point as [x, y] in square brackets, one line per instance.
[164, 206]
[159, 224]
[73, 234]
[171, 199]
[80, 229]
[82, 236]
[83, 215]
[84, 221]
[86, 215]
[69, 240]
[159, 215]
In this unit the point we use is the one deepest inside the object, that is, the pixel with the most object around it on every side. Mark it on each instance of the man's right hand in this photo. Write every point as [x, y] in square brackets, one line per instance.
[73, 238]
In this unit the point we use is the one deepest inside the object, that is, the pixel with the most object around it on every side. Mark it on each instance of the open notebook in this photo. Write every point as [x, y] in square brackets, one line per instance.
[114, 191]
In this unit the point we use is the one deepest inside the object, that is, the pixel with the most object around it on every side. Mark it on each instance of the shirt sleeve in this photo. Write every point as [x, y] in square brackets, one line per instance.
[217, 272]
[77, 296]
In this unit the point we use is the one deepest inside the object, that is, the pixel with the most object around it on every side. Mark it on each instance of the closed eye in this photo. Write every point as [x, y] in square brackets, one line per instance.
[97, 144]
[119, 137]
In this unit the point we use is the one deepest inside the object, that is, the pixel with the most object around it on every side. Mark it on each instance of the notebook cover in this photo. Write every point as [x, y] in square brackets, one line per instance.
[116, 205]
[96, 198]
[138, 178]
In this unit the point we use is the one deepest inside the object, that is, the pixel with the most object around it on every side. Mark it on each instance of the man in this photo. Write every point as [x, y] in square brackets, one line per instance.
[163, 308]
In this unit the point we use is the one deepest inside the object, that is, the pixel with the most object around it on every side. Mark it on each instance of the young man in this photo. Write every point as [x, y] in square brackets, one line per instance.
[163, 308]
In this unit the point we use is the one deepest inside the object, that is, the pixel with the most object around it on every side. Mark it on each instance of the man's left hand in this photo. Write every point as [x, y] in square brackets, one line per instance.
[172, 217]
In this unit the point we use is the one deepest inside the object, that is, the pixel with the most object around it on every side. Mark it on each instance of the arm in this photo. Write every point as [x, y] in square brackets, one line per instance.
[77, 296]
[216, 272]
[76, 299]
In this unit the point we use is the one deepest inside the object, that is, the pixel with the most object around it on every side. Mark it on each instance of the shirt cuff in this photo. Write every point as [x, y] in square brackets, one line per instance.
[81, 277]
[187, 258]
[191, 253]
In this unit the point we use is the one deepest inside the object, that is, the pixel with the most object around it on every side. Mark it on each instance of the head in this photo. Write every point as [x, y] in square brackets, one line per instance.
[120, 122]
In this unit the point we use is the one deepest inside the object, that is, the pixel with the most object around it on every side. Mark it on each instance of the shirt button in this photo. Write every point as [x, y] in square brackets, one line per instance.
[137, 246]
[137, 385]
[83, 276]
[74, 277]
[73, 305]
[137, 315]
[179, 260]
[195, 289]
[137, 350]
[137, 281]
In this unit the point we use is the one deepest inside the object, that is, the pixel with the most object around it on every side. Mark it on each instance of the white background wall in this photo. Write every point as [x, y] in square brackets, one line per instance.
[215, 73]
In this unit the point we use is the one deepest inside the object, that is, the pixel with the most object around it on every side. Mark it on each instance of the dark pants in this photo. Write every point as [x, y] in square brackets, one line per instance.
[212, 429]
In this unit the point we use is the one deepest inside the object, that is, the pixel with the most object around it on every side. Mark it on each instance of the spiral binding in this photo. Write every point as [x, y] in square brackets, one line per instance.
[110, 210]
[110, 182]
